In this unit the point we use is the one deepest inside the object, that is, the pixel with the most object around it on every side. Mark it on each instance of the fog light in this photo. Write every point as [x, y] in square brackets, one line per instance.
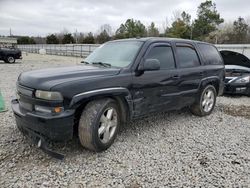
[43, 109]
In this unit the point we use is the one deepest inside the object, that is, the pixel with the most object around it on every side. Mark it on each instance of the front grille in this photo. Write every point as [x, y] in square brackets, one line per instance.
[24, 92]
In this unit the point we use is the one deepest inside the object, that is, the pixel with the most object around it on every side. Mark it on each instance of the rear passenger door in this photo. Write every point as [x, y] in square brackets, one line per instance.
[191, 72]
[156, 90]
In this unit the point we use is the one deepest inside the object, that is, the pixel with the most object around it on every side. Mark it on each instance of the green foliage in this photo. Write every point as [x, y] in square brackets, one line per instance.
[103, 37]
[68, 39]
[240, 29]
[152, 30]
[25, 40]
[180, 28]
[52, 39]
[89, 39]
[207, 21]
[131, 28]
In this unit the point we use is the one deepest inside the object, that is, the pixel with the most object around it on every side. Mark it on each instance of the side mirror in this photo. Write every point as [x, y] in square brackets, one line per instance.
[149, 65]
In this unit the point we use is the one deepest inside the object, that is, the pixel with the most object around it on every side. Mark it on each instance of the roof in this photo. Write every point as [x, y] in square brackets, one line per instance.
[144, 39]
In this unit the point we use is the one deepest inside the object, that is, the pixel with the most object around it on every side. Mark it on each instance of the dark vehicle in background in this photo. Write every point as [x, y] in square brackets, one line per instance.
[9, 55]
[237, 68]
[120, 81]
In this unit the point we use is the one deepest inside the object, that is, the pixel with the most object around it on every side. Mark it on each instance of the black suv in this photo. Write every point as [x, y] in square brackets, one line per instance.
[9, 55]
[121, 80]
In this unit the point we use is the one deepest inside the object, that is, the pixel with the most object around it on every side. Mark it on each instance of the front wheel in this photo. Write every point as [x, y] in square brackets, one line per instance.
[10, 59]
[99, 124]
[205, 105]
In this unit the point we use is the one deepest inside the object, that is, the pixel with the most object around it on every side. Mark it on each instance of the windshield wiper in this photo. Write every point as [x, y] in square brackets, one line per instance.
[85, 62]
[102, 64]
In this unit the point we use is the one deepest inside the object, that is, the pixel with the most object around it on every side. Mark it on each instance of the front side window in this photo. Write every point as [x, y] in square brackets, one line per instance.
[164, 55]
[187, 57]
[117, 54]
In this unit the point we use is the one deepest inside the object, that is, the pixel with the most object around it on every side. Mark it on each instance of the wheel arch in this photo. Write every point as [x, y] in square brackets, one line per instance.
[120, 95]
[215, 81]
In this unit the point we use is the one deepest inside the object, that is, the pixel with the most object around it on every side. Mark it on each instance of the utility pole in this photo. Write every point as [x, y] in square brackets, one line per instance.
[76, 35]
[191, 31]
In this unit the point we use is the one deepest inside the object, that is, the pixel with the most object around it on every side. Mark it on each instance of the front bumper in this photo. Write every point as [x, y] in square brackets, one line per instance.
[52, 127]
[242, 89]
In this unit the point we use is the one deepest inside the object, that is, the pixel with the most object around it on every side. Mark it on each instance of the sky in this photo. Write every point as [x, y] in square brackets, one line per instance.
[43, 17]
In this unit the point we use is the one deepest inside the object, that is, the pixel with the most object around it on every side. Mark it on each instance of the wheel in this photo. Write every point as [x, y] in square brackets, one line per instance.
[206, 102]
[10, 59]
[99, 124]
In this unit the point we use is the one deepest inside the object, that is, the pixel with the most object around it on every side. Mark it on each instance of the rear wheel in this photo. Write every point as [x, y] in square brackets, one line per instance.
[10, 59]
[99, 124]
[207, 99]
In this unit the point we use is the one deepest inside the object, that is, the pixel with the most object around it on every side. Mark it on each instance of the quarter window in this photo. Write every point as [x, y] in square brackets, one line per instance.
[210, 54]
[164, 55]
[187, 57]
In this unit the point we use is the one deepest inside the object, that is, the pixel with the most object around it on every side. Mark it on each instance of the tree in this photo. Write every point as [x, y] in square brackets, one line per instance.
[102, 37]
[207, 20]
[240, 30]
[224, 35]
[68, 39]
[52, 39]
[152, 30]
[25, 40]
[107, 28]
[131, 28]
[181, 27]
[89, 39]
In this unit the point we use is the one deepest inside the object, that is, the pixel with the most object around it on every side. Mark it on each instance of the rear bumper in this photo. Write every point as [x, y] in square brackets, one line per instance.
[55, 128]
[242, 89]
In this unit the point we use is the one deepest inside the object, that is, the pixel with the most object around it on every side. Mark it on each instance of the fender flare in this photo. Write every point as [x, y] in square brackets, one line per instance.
[113, 91]
[210, 79]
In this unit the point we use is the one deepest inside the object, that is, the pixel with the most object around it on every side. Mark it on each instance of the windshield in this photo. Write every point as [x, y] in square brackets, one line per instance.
[116, 54]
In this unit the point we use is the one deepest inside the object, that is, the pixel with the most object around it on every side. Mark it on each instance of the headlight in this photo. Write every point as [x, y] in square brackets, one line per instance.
[245, 79]
[48, 95]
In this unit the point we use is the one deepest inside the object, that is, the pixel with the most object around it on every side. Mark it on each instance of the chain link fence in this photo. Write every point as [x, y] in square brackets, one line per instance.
[83, 50]
[77, 50]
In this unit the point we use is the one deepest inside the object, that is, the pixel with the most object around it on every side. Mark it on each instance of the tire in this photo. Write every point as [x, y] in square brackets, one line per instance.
[205, 105]
[99, 124]
[10, 59]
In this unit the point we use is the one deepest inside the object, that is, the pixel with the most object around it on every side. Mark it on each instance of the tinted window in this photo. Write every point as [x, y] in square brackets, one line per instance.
[187, 57]
[164, 54]
[210, 54]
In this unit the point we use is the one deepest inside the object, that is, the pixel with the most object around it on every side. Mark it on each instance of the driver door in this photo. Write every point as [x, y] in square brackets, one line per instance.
[156, 90]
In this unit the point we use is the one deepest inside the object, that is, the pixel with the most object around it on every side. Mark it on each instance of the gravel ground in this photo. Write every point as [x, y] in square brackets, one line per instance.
[174, 149]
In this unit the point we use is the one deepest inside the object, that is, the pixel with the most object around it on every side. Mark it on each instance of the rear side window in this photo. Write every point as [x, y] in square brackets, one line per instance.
[187, 57]
[210, 54]
[164, 54]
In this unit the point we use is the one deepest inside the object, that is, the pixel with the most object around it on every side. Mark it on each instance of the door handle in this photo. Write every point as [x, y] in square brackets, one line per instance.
[176, 76]
[201, 73]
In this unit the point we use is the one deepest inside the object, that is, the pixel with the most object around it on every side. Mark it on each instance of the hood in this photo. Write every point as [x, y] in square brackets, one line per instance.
[45, 79]
[237, 68]
[235, 58]
[10, 49]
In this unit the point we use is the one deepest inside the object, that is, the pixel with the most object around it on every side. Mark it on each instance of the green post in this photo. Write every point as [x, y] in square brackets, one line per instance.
[2, 105]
